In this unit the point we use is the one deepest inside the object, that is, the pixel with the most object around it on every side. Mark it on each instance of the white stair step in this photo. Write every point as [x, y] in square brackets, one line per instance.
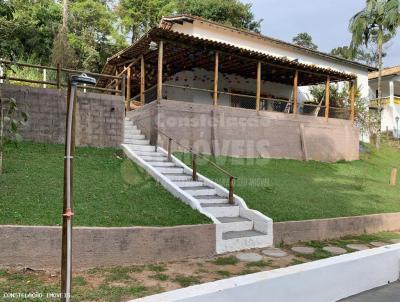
[162, 164]
[178, 176]
[150, 153]
[130, 127]
[141, 147]
[240, 240]
[134, 136]
[151, 159]
[200, 191]
[170, 170]
[241, 234]
[185, 184]
[137, 141]
[238, 223]
[132, 131]
[221, 210]
[212, 199]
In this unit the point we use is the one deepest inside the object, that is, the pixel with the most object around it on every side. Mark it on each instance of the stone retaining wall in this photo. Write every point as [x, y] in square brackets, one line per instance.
[40, 247]
[99, 120]
[322, 229]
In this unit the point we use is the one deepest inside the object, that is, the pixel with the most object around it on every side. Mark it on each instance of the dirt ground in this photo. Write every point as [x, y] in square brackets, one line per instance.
[124, 283]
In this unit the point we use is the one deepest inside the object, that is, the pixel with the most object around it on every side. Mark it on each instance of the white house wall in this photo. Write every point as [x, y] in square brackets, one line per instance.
[217, 33]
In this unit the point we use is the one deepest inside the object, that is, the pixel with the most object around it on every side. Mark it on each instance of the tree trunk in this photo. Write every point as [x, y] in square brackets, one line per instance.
[65, 15]
[380, 54]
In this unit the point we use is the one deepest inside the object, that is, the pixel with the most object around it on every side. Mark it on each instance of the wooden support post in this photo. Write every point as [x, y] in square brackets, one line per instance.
[327, 96]
[142, 80]
[295, 91]
[123, 87]
[116, 82]
[393, 177]
[353, 88]
[128, 88]
[231, 188]
[216, 70]
[58, 76]
[160, 70]
[258, 86]
[194, 166]
[169, 148]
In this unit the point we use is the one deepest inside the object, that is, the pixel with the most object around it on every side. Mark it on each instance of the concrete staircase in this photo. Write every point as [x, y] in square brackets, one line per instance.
[237, 227]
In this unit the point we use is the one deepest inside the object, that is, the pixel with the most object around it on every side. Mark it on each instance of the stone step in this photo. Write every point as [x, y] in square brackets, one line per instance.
[185, 184]
[235, 224]
[170, 170]
[221, 210]
[200, 191]
[178, 176]
[162, 163]
[212, 199]
[137, 141]
[141, 147]
[134, 136]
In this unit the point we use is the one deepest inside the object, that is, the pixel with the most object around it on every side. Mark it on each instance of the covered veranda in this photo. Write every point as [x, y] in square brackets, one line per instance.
[165, 64]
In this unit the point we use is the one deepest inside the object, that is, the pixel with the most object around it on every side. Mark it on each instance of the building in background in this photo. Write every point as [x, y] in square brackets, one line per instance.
[391, 98]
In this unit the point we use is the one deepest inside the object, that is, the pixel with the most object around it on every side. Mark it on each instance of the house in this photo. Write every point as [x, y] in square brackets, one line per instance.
[228, 91]
[391, 98]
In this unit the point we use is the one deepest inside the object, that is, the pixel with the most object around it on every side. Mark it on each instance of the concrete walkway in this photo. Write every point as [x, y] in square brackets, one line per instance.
[388, 293]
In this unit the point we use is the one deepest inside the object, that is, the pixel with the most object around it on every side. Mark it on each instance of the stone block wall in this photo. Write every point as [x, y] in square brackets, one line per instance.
[99, 117]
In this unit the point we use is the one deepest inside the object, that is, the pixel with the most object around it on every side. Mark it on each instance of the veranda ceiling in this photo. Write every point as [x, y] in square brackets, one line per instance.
[186, 52]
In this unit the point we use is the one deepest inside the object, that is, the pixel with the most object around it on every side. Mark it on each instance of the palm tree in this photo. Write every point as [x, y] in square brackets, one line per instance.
[377, 22]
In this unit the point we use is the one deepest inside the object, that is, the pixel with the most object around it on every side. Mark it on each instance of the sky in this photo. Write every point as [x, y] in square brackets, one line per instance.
[325, 20]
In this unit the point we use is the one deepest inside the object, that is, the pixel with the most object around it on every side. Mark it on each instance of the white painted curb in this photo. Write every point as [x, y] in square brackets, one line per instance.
[325, 280]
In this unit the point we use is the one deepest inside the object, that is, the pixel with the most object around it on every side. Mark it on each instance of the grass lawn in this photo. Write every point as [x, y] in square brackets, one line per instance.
[110, 190]
[293, 190]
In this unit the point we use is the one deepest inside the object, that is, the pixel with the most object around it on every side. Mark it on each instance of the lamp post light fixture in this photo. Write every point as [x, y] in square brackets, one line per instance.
[153, 45]
[66, 248]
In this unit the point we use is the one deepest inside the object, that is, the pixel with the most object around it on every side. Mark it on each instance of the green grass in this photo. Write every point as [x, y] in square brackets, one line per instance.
[295, 190]
[109, 190]
[228, 260]
[186, 281]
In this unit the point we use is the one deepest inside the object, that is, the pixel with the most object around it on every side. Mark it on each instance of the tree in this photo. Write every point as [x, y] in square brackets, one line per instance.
[138, 16]
[365, 55]
[92, 33]
[6, 28]
[229, 12]
[62, 52]
[305, 40]
[11, 119]
[378, 20]
[34, 27]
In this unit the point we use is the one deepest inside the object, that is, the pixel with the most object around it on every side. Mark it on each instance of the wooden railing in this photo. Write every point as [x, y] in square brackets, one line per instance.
[194, 156]
[61, 76]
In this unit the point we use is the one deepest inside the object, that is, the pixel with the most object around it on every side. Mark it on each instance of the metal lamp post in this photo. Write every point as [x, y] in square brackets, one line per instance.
[66, 253]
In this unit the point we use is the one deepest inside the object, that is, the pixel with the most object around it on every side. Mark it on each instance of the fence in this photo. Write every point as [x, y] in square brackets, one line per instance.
[55, 76]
